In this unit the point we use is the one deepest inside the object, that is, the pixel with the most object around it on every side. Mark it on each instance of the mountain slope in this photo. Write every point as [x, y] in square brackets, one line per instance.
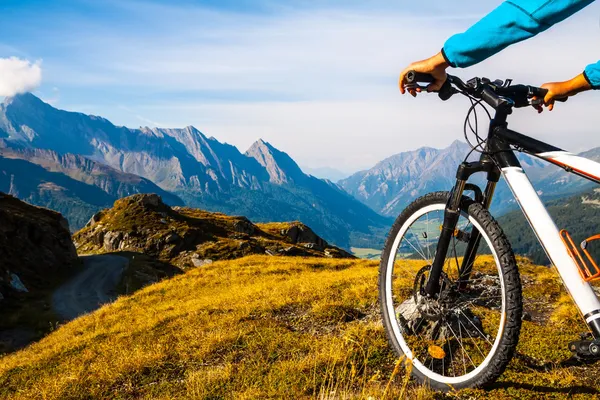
[113, 182]
[72, 185]
[264, 184]
[33, 184]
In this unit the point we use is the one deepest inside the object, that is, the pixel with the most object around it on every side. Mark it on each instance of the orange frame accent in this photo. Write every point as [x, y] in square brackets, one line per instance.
[584, 269]
[580, 172]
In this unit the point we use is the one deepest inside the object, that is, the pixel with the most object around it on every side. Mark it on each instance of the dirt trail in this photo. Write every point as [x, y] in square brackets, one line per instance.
[91, 288]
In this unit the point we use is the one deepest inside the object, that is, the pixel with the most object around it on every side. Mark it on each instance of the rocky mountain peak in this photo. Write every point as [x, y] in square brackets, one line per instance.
[264, 184]
[23, 99]
[391, 183]
[280, 166]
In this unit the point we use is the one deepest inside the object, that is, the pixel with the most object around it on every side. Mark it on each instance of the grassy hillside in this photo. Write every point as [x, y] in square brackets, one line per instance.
[273, 327]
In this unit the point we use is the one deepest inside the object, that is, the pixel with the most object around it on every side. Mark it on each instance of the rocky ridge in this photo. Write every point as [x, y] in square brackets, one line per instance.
[188, 237]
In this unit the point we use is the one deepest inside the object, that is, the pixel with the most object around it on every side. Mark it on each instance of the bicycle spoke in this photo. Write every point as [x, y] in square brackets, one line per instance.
[463, 348]
[411, 245]
[427, 242]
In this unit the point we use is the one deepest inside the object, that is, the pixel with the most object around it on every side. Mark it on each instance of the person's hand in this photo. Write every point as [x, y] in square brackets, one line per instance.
[435, 66]
[560, 90]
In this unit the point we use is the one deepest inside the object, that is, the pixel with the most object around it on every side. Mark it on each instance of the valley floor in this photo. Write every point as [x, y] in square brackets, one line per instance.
[275, 327]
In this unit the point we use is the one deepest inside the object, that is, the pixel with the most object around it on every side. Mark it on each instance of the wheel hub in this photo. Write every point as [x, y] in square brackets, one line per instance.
[431, 308]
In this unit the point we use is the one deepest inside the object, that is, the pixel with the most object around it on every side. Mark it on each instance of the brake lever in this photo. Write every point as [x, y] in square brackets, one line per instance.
[539, 102]
[414, 86]
[445, 92]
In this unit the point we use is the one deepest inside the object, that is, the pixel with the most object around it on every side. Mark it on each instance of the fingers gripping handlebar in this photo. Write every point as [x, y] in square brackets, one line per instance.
[416, 77]
[497, 94]
[413, 79]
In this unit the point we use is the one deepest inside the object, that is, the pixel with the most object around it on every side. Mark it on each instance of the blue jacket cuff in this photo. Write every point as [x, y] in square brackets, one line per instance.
[592, 75]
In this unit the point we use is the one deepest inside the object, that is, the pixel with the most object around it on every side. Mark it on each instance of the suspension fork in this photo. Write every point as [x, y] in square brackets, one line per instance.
[451, 216]
[464, 273]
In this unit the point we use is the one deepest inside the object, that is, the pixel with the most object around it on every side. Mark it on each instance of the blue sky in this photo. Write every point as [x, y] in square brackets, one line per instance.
[315, 78]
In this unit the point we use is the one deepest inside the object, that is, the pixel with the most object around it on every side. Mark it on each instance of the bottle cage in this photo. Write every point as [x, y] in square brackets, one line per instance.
[588, 268]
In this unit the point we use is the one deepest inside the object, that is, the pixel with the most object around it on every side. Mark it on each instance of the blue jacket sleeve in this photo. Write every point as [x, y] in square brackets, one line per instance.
[512, 22]
[592, 74]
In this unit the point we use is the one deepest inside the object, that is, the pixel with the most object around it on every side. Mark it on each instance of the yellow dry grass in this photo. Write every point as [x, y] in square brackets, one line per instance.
[263, 327]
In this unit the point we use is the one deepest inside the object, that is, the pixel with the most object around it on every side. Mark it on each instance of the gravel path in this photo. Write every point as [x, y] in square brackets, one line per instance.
[91, 288]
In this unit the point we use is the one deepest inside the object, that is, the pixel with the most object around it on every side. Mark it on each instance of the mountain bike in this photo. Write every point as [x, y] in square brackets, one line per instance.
[449, 286]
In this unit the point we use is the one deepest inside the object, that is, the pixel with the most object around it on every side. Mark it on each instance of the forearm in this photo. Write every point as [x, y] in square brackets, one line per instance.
[512, 22]
[577, 85]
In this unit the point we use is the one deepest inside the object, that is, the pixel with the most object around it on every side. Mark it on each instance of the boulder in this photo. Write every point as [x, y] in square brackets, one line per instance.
[150, 200]
[112, 241]
[302, 234]
[94, 220]
[199, 262]
[244, 226]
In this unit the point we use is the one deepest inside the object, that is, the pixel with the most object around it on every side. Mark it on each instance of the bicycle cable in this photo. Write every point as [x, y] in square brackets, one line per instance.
[479, 147]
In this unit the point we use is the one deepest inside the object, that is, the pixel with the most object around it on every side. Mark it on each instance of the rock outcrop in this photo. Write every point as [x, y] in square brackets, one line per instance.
[188, 237]
[35, 247]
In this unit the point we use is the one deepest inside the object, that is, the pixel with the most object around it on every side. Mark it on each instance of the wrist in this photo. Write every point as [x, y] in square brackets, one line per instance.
[439, 61]
[579, 83]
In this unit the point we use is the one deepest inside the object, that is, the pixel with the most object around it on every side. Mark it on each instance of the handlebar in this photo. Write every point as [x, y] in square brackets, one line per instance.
[497, 94]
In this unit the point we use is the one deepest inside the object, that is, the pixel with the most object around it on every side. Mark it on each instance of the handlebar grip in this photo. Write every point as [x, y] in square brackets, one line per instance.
[413, 77]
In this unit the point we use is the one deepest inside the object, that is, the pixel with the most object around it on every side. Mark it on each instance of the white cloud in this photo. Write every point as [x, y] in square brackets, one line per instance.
[19, 76]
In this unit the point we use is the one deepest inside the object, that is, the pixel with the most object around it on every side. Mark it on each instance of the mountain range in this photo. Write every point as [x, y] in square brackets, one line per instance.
[69, 158]
[78, 164]
[393, 183]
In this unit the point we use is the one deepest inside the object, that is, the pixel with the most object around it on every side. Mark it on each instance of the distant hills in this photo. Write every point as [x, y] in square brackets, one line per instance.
[264, 184]
[578, 214]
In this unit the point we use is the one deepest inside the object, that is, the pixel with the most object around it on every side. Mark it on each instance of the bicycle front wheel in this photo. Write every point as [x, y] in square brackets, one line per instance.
[466, 334]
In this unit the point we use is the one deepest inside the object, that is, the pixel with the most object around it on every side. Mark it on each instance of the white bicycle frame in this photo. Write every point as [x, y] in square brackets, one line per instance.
[547, 232]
